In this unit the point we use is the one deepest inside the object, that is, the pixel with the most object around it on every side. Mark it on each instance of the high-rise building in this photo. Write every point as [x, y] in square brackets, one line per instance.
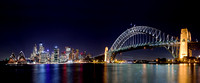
[33, 55]
[52, 57]
[41, 48]
[82, 55]
[35, 49]
[36, 58]
[77, 54]
[68, 51]
[72, 54]
[43, 57]
[63, 57]
[48, 56]
[56, 54]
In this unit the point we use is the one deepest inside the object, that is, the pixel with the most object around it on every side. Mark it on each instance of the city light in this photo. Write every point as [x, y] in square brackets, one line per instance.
[179, 50]
[40, 56]
[107, 41]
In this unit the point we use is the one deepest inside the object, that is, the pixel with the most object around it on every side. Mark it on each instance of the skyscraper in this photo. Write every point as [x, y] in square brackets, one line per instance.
[41, 48]
[52, 57]
[63, 57]
[68, 51]
[34, 52]
[72, 54]
[77, 54]
[43, 57]
[56, 54]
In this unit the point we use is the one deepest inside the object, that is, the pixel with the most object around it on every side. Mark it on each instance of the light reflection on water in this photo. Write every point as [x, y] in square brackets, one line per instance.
[187, 73]
[105, 73]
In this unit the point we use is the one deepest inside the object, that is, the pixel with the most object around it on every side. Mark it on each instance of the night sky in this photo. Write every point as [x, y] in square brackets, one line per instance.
[89, 25]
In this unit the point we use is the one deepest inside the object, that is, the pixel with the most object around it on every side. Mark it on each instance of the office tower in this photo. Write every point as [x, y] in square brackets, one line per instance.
[68, 51]
[41, 48]
[56, 54]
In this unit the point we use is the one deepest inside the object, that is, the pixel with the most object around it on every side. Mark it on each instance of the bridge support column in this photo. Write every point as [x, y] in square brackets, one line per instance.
[185, 37]
[106, 54]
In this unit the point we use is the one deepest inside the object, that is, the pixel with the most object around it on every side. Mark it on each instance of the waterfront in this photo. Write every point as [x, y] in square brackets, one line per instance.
[101, 73]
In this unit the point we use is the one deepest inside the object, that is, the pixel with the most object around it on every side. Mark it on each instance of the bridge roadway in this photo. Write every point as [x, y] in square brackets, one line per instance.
[145, 46]
[191, 45]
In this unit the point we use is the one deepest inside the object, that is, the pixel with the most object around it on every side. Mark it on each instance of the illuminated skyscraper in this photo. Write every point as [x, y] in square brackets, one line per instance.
[83, 55]
[68, 51]
[72, 54]
[34, 52]
[48, 56]
[63, 57]
[35, 49]
[52, 57]
[56, 54]
[43, 57]
[41, 48]
[77, 54]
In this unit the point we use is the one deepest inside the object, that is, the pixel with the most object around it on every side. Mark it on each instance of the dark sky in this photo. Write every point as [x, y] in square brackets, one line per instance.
[88, 24]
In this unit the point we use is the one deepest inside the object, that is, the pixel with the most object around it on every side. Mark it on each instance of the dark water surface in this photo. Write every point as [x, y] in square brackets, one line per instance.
[101, 73]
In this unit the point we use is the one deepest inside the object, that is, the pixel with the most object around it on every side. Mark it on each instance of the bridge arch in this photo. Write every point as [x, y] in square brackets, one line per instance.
[154, 37]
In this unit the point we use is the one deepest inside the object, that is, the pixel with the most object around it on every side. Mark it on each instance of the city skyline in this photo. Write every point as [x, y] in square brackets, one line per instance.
[88, 25]
[99, 41]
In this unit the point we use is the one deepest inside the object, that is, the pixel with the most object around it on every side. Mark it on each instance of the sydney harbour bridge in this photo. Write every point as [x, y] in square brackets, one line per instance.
[145, 37]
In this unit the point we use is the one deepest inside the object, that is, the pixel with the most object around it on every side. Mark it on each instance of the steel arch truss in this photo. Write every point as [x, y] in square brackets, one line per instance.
[144, 36]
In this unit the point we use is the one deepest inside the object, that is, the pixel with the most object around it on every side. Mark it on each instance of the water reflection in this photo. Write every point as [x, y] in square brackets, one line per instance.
[39, 73]
[47, 73]
[144, 75]
[81, 74]
[69, 73]
[64, 74]
[198, 75]
[116, 73]
[55, 73]
[187, 73]
[170, 73]
[183, 70]
[105, 74]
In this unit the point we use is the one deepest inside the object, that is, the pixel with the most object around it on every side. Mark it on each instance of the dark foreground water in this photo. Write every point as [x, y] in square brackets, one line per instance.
[100, 73]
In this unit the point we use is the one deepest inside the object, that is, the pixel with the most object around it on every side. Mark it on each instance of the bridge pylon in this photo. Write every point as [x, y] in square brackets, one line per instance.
[106, 54]
[185, 37]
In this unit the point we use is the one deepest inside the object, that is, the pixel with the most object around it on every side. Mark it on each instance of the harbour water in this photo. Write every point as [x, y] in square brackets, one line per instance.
[101, 73]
